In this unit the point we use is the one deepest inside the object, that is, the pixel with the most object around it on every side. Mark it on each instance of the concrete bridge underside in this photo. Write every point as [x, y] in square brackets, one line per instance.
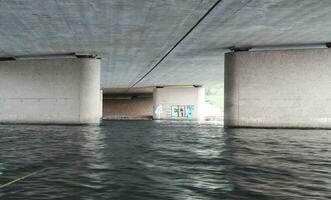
[132, 36]
[147, 43]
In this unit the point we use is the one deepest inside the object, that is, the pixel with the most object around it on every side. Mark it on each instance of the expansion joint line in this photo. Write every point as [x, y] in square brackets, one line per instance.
[178, 42]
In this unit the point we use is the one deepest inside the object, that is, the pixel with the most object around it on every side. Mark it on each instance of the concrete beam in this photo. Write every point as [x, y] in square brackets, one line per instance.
[288, 88]
[57, 91]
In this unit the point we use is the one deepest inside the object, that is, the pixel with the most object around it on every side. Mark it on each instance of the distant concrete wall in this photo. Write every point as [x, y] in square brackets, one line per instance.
[50, 91]
[165, 98]
[136, 107]
[278, 88]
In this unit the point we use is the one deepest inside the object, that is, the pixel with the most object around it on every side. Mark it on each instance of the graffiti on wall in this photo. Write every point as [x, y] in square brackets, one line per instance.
[182, 111]
[158, 110]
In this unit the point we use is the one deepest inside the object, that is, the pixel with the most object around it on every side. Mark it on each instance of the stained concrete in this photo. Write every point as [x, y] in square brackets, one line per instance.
[132, 35]
[65, 91]
[278, 89]
[131, 108]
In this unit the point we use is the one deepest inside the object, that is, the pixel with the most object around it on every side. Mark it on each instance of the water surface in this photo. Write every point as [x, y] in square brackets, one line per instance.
[164, 160]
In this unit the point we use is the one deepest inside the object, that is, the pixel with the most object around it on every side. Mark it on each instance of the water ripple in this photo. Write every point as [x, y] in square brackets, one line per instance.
[164, 160]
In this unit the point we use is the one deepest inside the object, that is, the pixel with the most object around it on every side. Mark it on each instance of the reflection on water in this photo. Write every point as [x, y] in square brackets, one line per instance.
[164, 160]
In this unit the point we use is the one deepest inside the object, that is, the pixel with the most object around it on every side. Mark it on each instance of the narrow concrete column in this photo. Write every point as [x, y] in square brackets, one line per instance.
[288, 88]
[179, 103]
[55, 91]
[90, 91]
[101, 104]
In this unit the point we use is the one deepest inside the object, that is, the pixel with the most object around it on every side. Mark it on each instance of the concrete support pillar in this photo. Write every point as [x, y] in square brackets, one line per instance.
[55, 91]
[288, 88]
[179, 103]
[101, 104]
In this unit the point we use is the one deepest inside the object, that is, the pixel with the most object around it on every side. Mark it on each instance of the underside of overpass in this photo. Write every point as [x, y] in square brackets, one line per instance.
[148, 43]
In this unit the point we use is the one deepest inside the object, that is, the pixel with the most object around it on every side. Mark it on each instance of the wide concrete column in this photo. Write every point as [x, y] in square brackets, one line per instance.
[288, 88]
[54, 91]
[179, 103]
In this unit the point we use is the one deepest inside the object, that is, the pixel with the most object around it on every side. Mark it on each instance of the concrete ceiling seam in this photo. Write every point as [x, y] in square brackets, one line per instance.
[178, 42]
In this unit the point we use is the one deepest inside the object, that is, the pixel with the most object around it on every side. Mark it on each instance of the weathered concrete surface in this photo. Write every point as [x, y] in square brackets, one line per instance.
[132, 35]
[129, 35]
[278, 89]
[50, 91]
[127, 108]
[199, 59]
[165, 98]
